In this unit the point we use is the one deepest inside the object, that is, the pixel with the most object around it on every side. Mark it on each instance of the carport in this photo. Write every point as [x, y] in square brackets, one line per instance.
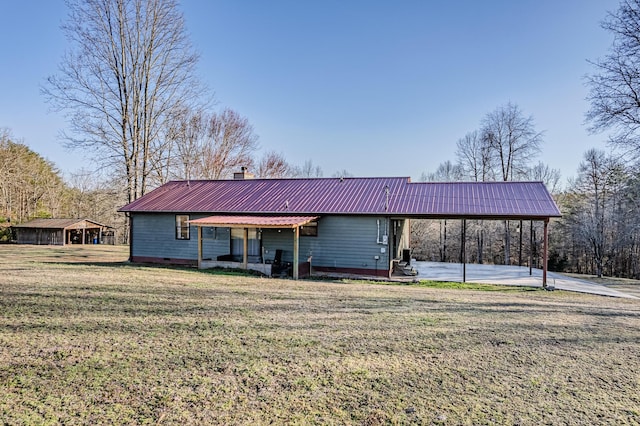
[545, 243]
[491, 201]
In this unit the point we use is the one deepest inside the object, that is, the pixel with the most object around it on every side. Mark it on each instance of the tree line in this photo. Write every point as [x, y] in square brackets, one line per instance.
[32, 187]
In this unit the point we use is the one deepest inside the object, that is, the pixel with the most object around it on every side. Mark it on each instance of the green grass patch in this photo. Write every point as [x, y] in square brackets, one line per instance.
[475, 286]
[448, 285]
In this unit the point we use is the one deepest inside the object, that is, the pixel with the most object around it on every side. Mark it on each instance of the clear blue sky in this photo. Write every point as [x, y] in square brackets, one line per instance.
[379, 88]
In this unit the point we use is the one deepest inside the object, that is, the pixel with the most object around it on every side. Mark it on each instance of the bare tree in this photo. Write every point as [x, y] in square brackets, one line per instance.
[513, 142]
[344, 173]
[230, 144]
[131, 62]
[92, 196]
[203, 145]
[274, 166]
[308, 170]
[599, 180]
[446, 172]
[474, 157]
[615, 87]
[550, 177]
[185, 135]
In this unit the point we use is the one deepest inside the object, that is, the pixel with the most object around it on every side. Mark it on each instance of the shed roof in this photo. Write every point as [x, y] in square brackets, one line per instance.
[254, 221]
[61, 224]
[353, 196]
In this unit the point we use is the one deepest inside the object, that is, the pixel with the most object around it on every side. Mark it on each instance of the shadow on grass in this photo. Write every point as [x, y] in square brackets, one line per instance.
[127, 264]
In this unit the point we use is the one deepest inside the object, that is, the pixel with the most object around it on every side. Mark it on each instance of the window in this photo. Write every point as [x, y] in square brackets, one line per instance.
[182, 227]
[309, 230]
[237, 242]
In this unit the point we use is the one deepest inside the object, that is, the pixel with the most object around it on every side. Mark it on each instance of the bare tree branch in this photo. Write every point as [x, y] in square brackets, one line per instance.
[130, 63]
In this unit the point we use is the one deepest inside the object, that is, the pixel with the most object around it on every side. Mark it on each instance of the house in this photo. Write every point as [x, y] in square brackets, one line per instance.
[332, 225]
[62, 232]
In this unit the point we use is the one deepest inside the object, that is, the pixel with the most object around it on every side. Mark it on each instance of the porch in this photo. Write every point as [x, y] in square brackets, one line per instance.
[258, 263]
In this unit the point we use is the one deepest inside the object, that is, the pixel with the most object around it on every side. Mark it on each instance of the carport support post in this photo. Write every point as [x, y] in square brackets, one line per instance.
[545, 249]
[531, 249]
[296, 254]
[463, 251]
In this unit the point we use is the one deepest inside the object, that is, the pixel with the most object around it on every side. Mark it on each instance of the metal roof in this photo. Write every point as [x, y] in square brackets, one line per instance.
[61, 224]
[353, 196]
[254, 221]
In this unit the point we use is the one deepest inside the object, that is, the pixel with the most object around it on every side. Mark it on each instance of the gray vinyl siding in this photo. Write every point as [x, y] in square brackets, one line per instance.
[342, 242]
[154, 235]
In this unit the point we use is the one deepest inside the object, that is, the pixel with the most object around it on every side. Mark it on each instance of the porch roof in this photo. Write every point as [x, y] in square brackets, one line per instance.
[254, 221]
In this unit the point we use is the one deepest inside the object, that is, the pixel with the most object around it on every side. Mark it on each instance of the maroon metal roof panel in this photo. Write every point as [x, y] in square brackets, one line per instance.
[58, 223]
[271, 196]
[387, 196]
[476, 199]
[259, 221]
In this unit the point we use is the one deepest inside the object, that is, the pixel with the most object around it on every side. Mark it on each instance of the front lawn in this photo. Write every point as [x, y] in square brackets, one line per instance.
[86, 338]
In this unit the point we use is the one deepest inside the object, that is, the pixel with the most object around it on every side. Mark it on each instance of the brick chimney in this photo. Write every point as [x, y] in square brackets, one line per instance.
[243, 174]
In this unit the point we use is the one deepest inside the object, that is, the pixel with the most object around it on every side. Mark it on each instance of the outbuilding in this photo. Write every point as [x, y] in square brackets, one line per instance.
[62, 232]
[330, 225]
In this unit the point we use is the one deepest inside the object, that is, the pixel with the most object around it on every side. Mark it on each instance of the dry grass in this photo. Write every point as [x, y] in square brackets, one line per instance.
[93, 342]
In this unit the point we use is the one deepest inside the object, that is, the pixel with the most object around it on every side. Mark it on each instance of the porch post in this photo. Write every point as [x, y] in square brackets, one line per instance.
[545, 249]
[295, 252]
[245, 255]
[199, 247]
[84, 235]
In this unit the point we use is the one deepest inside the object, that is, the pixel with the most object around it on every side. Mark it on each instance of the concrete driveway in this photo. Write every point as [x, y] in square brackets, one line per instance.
[510, 275]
